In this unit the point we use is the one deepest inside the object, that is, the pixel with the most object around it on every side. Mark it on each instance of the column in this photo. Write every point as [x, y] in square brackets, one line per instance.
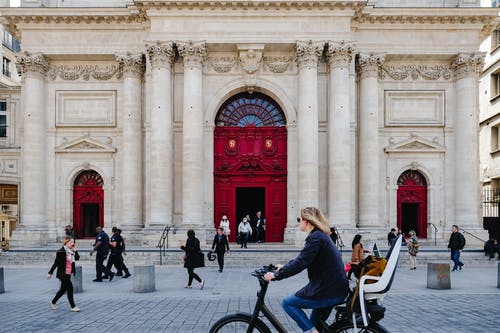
[369, 188]
[161, 55]
[467, 70]
[339, 57]
[192, 133]
[307, 57]
[33, 68]
[131, 154]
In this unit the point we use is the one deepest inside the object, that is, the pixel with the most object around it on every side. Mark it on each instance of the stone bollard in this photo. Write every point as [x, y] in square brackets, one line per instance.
[2, 289]
[144, 278]
[438, 276]
[77, 280]
[498, 276]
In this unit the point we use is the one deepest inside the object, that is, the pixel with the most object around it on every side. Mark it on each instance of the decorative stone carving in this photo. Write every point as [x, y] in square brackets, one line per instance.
[193, 53]
[100, 73]
[468, 64]
[414, 144]
[339, 55]
[84, 144]
[250, 60]
[277, 64]
[131, 64]
[27, 62]
[160, 53]
[369, 64]
[415, 72]
[222, 64]
[308, 53]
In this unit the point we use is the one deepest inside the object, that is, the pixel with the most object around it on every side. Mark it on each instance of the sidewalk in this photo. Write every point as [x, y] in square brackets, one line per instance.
[112, 306]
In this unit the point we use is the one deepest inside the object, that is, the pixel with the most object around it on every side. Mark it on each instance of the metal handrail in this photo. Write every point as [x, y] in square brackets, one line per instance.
[465, 231]
[163, 242]
[435, 232]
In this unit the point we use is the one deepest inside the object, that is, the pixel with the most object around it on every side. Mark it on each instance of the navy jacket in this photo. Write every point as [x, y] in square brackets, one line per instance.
[325, 268]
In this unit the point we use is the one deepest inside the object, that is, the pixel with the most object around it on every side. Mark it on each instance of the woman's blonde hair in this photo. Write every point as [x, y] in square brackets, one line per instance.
[67, 239]
[412, 233]
[314, 216]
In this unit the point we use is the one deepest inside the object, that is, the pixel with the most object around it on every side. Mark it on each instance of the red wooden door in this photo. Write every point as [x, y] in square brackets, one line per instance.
[412, 203]
[88, 201]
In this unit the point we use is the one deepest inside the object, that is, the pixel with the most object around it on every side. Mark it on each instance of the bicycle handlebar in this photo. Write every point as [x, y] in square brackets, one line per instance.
[259, 273]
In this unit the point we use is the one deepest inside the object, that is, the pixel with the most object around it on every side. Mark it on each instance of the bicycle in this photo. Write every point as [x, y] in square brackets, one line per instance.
[246, 322]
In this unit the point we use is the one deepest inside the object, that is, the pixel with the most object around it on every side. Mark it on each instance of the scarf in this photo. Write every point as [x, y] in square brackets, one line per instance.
[70, 254]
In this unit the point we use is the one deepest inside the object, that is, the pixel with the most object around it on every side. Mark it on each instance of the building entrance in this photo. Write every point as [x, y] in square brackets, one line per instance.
[88, 202]
[250, 163]
[412, 203]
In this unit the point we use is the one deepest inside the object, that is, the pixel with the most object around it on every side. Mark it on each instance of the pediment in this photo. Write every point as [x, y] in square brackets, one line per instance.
[415, 145]
[85, 145]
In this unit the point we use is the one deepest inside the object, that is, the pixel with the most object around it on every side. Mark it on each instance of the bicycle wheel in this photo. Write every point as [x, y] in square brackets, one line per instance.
[238, 323]
[346, 327]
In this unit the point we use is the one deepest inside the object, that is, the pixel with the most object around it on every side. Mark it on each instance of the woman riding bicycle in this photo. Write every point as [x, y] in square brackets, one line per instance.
[327, 280]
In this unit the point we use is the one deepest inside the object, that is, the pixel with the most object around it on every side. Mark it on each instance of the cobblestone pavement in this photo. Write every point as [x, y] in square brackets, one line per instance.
[112, 306]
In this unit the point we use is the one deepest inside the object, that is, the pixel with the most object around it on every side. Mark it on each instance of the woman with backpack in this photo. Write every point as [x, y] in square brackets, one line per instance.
[413, 248]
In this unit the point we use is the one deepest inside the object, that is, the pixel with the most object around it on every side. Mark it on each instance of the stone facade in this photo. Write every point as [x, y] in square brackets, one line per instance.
[132, 93]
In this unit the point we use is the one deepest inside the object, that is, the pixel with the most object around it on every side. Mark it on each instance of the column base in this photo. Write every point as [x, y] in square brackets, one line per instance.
[31, 236]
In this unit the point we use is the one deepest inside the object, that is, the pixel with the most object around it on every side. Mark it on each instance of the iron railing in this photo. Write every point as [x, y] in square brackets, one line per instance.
[163, 242]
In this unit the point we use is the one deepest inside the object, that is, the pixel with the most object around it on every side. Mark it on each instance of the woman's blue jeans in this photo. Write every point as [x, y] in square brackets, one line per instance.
[293, 306]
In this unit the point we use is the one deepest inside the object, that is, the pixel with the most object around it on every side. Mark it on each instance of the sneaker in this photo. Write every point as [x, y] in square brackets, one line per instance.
[126, 275]
[52, 306]
[97, 280]
[202, 284]
[111, 276]
[75, 309]
[188, 287]
[220, 270]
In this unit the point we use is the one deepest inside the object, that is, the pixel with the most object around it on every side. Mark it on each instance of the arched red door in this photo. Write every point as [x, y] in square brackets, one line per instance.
[250, 163]
[88, 202]
[412, 203]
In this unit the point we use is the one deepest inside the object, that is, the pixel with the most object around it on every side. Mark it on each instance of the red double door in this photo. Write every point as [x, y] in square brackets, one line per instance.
[250, 175]
[88, 204]
[412, 209]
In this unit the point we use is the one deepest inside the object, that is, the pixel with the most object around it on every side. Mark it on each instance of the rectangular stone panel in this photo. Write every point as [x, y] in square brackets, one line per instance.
[85, 108]
[414, 107]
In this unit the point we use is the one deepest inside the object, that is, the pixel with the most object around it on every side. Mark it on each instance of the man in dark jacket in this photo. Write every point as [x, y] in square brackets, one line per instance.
[101, 245]
[221, 245]
[456, 244]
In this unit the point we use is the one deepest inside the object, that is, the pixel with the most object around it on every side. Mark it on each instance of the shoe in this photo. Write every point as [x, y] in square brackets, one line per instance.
[75, 309]
[245, 246]
[111, 276]
[52, 306]
[127, 275]
[97, 280]
[202, 284]
[413, 268]
[119, 274]
[454, 269]
[460, 268]
[220, 270]
[188, 287]
[105, 277]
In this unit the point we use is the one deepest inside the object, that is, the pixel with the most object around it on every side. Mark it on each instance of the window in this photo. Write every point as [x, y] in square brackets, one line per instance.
[11, 42]
[3, 119]
[495, 85]
[494, 139]
[6, 67]
[495, 39]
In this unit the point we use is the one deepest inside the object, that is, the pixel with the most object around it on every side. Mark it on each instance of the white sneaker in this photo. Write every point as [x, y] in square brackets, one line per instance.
[202, 284]
[75, 309]
[52, 306]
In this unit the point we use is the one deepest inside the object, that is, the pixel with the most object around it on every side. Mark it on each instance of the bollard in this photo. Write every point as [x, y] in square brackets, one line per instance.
[438, 276]
[77, 280]
[2, 289]
[498, 276]
[144, 278]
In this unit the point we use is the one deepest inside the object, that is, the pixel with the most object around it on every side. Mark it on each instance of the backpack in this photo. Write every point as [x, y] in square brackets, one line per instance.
[373, 266]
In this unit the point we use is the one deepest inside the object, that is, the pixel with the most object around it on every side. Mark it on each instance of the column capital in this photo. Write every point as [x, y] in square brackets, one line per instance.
[193, 52]
[132, 65]
[339, 54]
[369, 64]
[466, 65]
[28, 62]
[308, 53]
[160, 53]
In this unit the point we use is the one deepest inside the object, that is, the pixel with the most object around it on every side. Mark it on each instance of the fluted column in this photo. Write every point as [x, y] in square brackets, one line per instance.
[161, 56]
[339, 146]
[368, 141]
[192, 133]
[467, 69]
[33, 68]
[131, 155]
[308, 55]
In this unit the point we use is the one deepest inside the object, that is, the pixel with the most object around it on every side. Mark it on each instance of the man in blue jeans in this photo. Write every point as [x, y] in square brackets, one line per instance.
[456, 244]
[327, 280]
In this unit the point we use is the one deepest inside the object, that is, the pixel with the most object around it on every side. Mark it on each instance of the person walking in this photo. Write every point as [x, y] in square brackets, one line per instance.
[224, 223]
[456, 244]
[101, 245]
[260, 228]
[391, 237]
[245, 230]
[193, 258]
[221, 246]
[413, 248]
[328, 285]
[65, 264]
[117, 246]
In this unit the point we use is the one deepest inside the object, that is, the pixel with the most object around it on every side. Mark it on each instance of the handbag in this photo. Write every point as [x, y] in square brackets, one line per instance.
[347, 267]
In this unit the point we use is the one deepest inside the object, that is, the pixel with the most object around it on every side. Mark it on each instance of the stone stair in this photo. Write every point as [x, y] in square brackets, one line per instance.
[255, 255]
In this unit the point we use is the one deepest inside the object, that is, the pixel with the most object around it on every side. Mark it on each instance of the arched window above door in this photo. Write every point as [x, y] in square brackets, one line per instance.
[247, 109]
[412, 178]
[89, 177]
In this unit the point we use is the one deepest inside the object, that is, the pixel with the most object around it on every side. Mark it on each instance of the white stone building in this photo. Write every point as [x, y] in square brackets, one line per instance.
[149, 113]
